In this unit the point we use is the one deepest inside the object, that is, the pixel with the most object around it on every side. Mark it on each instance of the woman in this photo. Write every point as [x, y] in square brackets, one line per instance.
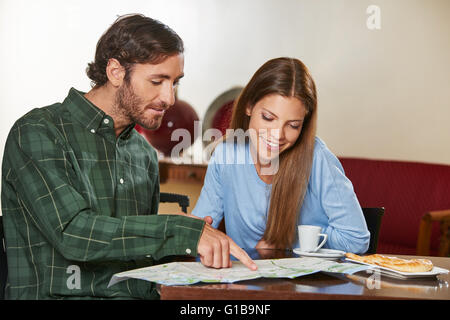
[280, 175]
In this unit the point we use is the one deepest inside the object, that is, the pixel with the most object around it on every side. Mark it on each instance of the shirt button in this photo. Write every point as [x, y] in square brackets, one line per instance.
[106, 121]
[121, 181]
[92, 130]
[188, 251]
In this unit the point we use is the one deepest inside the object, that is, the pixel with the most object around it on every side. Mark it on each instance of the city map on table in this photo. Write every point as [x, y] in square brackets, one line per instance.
[183, 273]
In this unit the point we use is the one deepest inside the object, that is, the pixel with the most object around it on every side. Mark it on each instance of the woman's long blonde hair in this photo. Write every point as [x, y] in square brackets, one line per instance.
[287, 77]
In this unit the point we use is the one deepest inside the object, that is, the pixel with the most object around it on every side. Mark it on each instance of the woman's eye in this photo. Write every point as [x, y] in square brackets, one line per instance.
[156, 83]
[266, 117]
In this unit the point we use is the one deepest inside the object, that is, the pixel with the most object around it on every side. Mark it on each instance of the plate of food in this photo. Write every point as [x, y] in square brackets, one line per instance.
[398, 267]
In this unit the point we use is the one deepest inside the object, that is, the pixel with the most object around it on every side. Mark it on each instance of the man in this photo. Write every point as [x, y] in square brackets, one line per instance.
[80, 187]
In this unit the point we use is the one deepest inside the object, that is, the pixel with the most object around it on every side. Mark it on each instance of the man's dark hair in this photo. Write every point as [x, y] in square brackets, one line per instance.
[133, 39]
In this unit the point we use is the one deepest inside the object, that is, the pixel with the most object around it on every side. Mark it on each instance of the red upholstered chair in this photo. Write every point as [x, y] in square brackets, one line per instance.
[407, 190]
[442, 218]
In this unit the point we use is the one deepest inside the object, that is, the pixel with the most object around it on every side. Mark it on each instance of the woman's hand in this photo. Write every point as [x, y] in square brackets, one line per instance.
[268, 251]
[262, 244]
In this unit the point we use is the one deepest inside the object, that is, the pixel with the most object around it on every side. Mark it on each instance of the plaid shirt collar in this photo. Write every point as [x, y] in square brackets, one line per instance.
[90, 116]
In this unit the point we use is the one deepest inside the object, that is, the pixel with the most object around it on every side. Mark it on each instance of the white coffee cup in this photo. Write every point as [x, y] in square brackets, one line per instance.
[308, 237]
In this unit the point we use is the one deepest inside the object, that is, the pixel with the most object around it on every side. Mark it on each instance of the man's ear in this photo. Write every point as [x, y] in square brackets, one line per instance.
[115, 72]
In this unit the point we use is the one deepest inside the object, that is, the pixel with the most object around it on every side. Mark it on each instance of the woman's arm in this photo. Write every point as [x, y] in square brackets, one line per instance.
[347, 229]
[210, 202]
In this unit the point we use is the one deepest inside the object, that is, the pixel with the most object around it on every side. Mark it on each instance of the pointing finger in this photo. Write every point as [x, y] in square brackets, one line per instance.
[242, 256]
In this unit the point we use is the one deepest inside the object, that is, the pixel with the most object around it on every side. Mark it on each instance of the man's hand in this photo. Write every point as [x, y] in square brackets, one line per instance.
[215, 248]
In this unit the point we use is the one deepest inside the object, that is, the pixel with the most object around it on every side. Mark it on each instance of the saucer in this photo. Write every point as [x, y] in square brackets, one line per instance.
[321, 253]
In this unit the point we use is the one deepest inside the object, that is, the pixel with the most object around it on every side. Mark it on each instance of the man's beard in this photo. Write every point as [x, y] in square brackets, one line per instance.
[131, 107]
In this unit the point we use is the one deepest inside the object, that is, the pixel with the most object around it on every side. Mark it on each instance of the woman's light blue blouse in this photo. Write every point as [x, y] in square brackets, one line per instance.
[233, 189]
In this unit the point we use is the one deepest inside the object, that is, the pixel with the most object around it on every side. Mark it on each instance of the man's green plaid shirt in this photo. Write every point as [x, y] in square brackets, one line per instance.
[80, 204]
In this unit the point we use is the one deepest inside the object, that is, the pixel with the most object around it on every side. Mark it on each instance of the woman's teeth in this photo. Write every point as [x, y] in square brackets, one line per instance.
[271, 144]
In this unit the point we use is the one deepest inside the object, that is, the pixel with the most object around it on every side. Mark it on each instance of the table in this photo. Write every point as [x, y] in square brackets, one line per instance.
[319, 286]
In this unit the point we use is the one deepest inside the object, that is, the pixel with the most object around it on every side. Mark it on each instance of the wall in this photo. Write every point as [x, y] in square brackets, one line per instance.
[382, 93]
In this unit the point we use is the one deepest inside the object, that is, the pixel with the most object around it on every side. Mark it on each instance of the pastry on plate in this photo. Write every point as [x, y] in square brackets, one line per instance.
[394, 263]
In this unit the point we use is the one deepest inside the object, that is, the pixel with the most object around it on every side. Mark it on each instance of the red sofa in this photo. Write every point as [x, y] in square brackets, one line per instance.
[407, 190]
